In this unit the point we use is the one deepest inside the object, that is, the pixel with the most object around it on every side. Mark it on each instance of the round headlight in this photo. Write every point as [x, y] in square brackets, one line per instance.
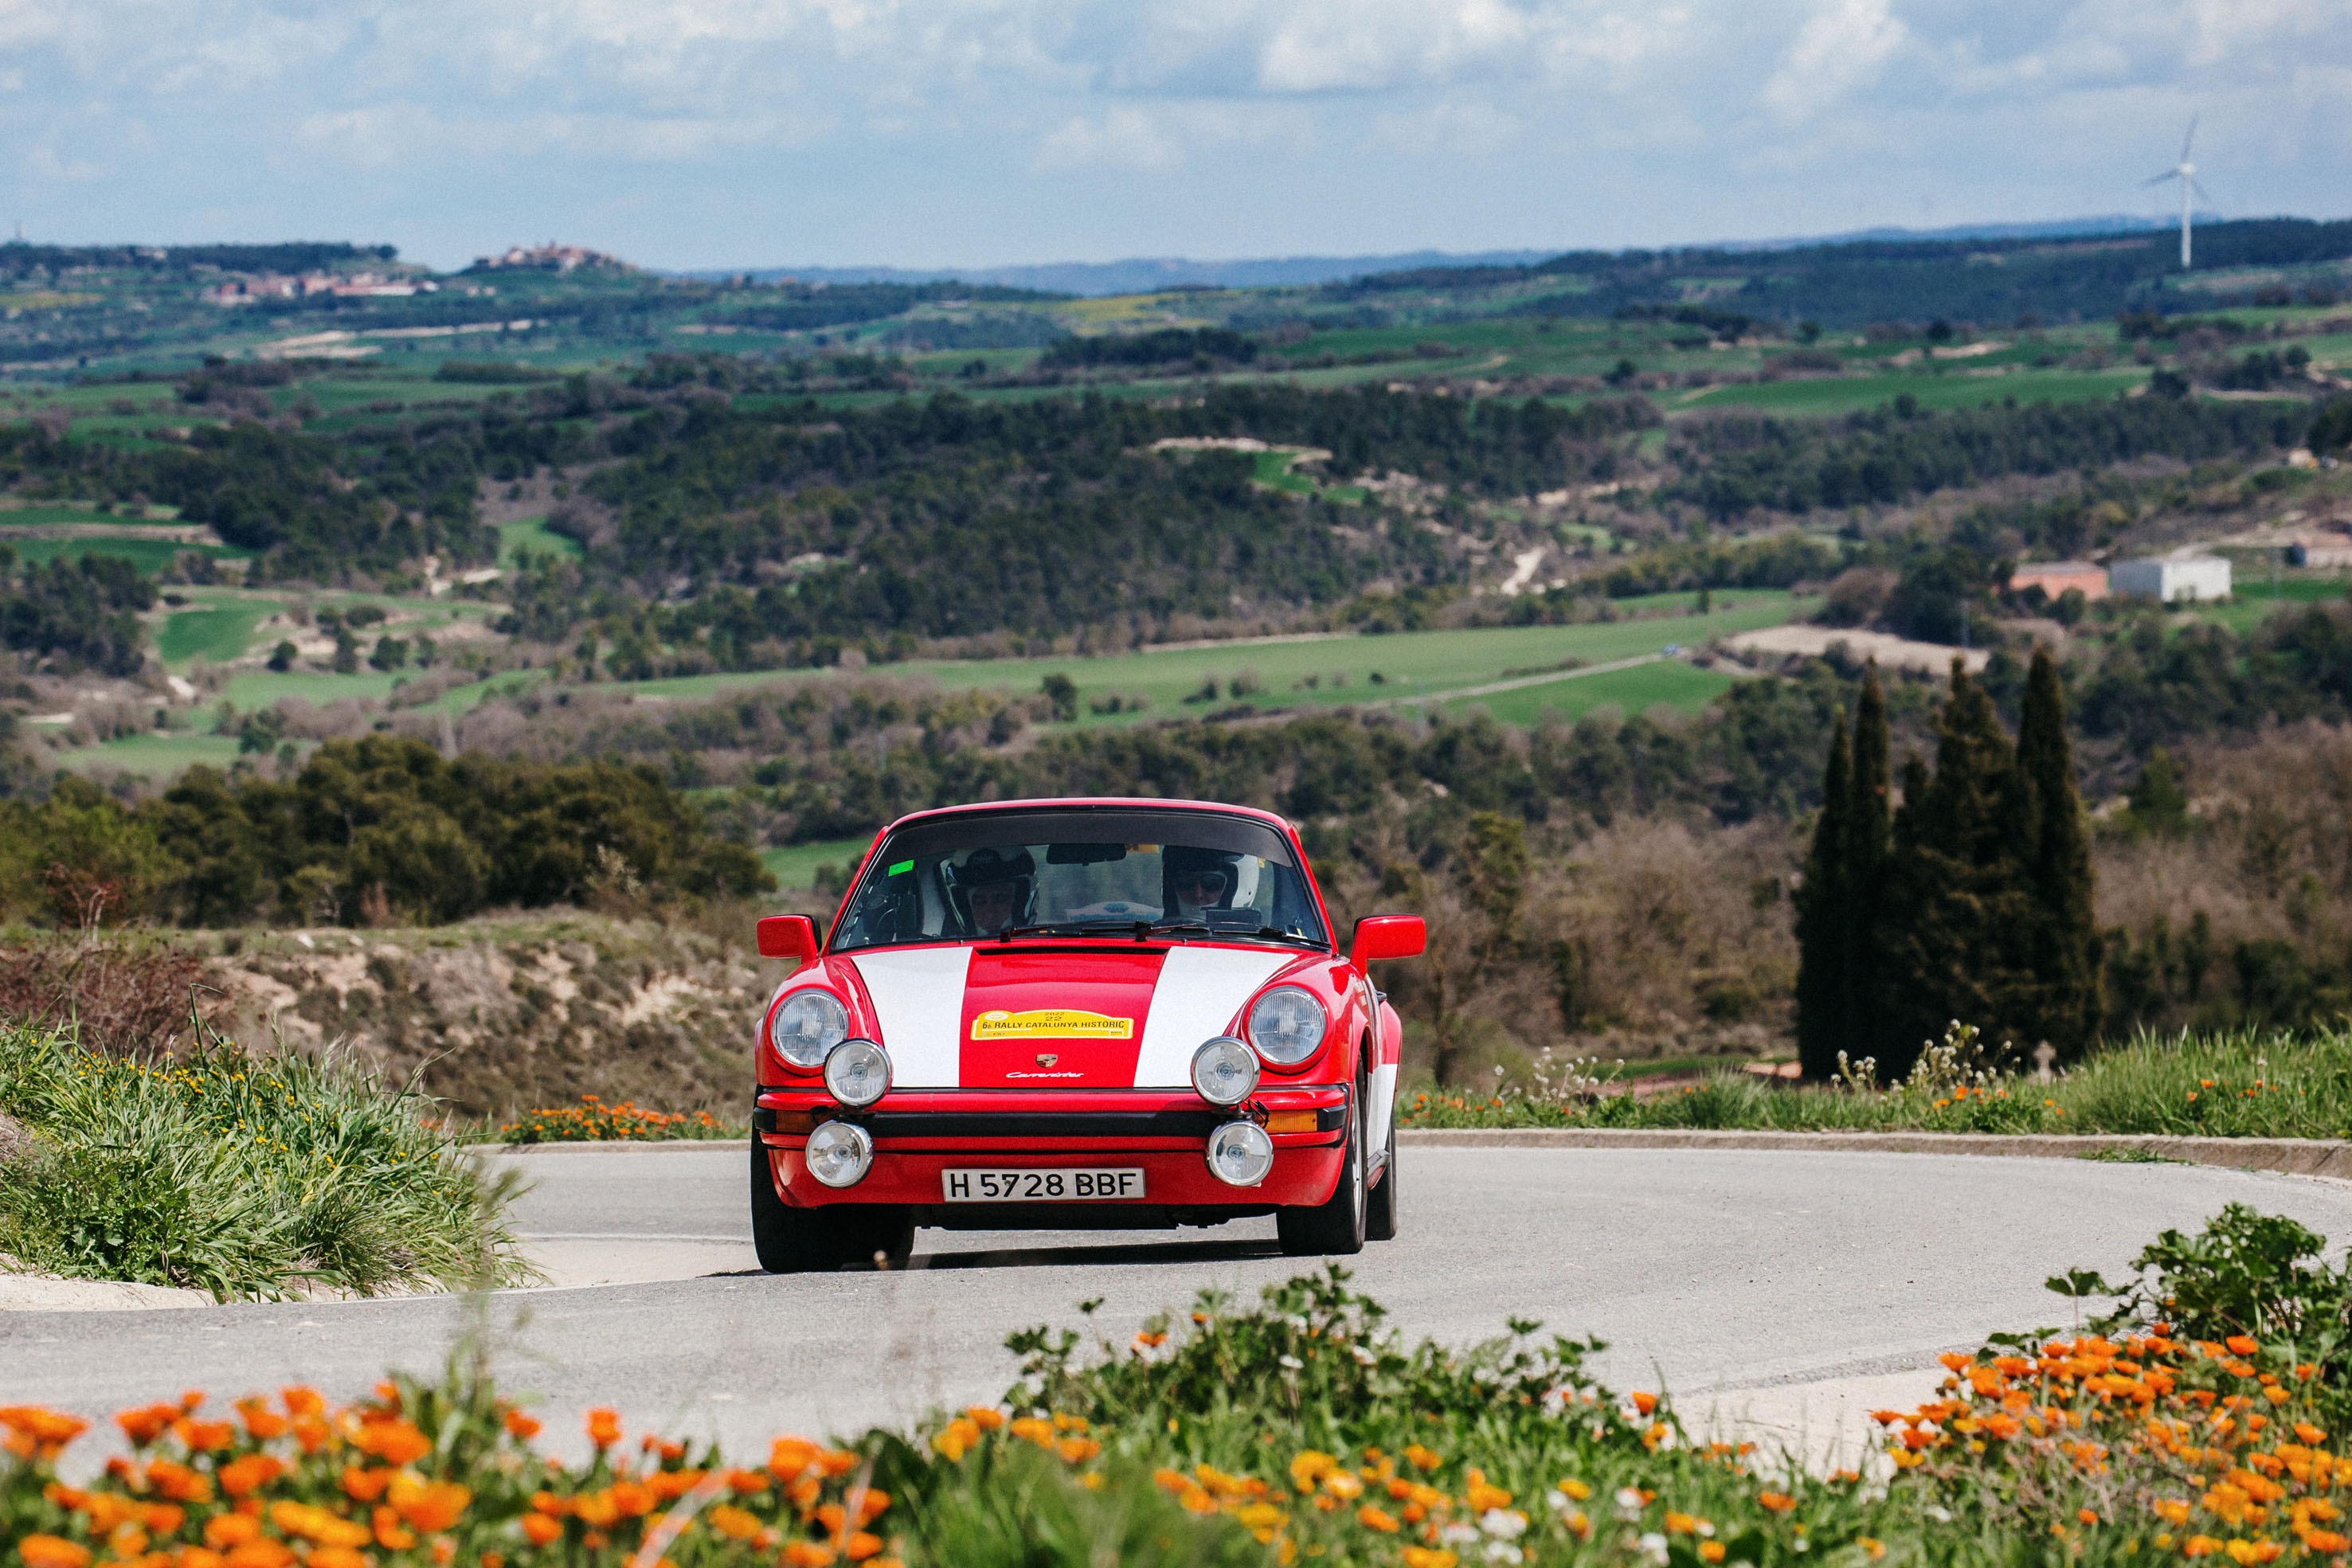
[808, 1026]
[1224, 1071]
[858, 1072]
[1240, 1154]
[839, 1152]
[1286, 1025]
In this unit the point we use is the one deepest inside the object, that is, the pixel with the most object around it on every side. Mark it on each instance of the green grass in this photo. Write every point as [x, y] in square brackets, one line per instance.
[1413, 666]
[794, 866]
[1942, 389]
[2257, 598]
[219, 634]
[531, 534]
[1669, 683]
[150, 556]
[238, 1174]
[2242, 1085]
[161, 755]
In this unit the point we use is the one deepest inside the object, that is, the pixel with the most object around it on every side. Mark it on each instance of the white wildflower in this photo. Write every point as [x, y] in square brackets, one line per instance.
[1652, 1546]
[1503, 1551]
[1629, 1503]
[1291, 1362]
[1503, 1523]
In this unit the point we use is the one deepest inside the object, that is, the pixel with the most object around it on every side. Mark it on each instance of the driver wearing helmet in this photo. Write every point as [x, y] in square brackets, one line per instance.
[995, 889]
[1198, 880]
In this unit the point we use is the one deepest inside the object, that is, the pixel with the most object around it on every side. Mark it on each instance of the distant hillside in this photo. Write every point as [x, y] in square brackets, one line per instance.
[1144, 275]
[2083, 277]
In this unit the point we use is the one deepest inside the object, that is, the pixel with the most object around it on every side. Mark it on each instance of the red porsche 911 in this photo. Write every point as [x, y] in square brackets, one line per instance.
[1076, 1014]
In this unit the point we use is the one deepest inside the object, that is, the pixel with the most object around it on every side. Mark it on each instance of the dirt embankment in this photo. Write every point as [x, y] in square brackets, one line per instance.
[502, 1015]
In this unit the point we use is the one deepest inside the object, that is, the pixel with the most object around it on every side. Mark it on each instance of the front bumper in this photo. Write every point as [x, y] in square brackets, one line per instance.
[920, 1133]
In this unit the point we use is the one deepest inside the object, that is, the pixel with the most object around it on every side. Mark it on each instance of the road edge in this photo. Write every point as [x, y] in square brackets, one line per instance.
[2292, 1156]
[2326, 1158]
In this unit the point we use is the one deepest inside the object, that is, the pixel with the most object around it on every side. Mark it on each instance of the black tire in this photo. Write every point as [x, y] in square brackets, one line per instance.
[1380, 1205]
[1334, 1229]
[803, 1240]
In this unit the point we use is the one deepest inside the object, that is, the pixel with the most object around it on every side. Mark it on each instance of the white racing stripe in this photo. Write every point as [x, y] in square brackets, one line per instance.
[918, 994]
[1200, 990]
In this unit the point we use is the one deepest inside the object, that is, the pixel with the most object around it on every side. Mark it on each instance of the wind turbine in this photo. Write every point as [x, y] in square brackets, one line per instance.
[2186, 172]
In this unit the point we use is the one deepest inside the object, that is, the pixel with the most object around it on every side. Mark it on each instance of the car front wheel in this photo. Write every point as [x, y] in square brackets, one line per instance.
[803, 1240]
[1334, 1229]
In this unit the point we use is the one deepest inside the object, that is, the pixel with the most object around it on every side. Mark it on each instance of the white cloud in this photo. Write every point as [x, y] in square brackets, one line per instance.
[1842, 47]
[1255, 125]
[1121, 139]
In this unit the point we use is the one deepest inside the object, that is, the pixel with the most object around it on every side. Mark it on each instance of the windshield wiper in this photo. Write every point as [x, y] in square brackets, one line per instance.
[1273, 933]
[1074, 928]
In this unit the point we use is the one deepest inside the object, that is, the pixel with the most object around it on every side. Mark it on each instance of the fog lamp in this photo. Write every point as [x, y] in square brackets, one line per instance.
[839, 1154]
[1240, 1154]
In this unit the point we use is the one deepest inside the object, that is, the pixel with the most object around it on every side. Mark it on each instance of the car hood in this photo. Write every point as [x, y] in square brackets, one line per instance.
[1017, 1017]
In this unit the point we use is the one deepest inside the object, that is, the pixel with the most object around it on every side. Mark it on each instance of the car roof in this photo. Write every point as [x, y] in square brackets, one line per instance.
[1119, 802]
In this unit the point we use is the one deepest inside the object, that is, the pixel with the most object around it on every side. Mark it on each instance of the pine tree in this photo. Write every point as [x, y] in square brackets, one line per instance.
[1826, 929]
[2065, 957]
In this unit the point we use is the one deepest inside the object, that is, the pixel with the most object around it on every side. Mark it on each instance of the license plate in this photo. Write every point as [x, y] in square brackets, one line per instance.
[1063, 1185]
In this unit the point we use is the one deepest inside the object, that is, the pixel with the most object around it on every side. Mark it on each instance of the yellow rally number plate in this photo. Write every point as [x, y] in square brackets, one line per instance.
[1050, 1023]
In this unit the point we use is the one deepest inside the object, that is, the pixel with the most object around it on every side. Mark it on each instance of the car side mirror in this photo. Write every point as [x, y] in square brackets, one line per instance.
[1388, 937]
[789, 936]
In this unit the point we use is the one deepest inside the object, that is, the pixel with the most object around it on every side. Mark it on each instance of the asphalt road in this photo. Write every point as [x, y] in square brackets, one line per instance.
[1706, 1271]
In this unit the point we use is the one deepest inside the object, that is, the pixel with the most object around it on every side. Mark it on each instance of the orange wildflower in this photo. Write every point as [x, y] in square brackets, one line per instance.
[51, 1552]
[807, 1554]
[522, 1425]
[541, 1529]
[1779, 1502]
[226, 1530]
[249, 1472]
[1372, 1518]
[603, 1427]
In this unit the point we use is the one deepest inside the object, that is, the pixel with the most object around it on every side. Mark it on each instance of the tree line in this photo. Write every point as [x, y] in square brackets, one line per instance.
[370, 831]
[1744, 462]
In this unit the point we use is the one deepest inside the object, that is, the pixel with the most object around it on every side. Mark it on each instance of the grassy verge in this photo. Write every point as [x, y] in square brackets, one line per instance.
[238, 1174]
[2242, 1085]
[592, 1121]
[1297, 1428]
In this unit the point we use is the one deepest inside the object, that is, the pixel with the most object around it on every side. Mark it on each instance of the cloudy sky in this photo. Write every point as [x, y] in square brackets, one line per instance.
[927, 132]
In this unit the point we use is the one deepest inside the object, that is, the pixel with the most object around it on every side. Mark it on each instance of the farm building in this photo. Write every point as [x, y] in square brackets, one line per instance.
[2330, 546]
[2200, 578]
[2055, 577]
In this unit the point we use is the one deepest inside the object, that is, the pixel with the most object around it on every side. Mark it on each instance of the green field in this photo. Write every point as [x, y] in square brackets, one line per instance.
[161, 756]
[1667, 682]
[1411, 666]
[1939, 389]
[149, 555]
[794, 866]
[531, 534]
[219, 634]
[2257, 598]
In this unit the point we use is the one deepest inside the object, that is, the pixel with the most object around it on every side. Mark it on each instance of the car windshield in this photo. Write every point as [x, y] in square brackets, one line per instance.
[1082, 870]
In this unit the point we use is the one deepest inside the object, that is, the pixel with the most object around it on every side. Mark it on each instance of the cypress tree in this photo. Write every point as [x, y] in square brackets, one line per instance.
[1956, 927]
[1826, 929]
[2065, 956]
[1866, 850]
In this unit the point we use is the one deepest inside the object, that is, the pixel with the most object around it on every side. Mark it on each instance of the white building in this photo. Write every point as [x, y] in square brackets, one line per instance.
[2202, 578]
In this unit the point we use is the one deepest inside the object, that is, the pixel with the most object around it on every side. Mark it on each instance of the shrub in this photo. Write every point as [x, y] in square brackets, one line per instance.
[237, 1173]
